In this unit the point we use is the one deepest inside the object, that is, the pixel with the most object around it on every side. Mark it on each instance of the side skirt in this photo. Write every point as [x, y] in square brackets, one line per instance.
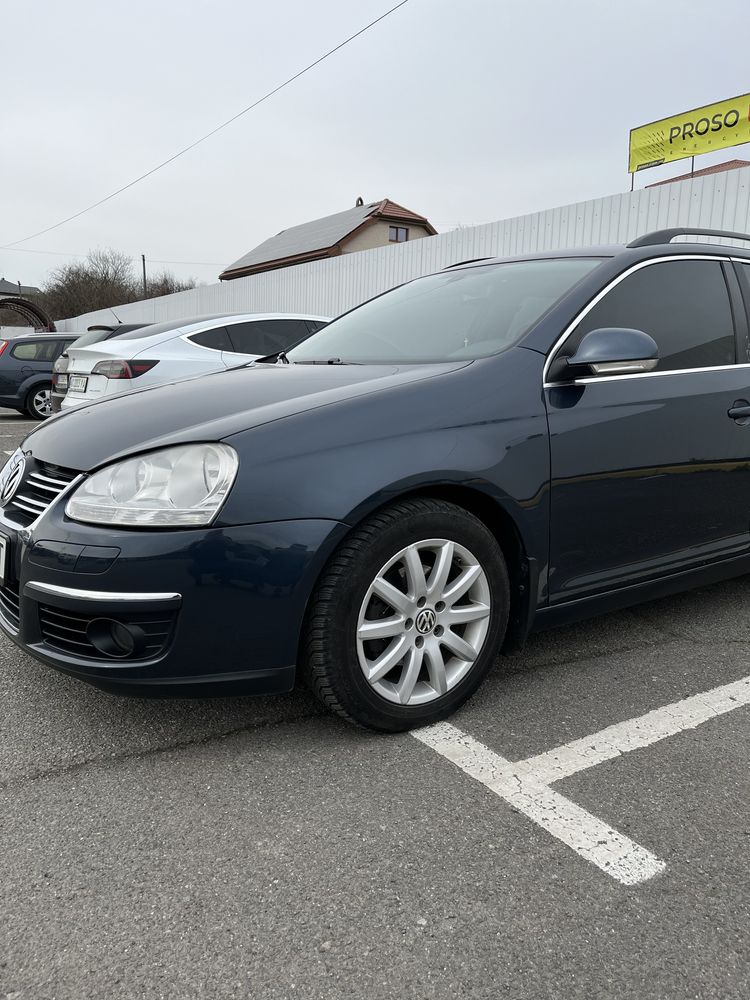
[624, 597]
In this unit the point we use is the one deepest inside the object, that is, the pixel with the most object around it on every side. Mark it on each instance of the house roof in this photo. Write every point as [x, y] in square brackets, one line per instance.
[11, 288]
[717, 168]
[314, 239]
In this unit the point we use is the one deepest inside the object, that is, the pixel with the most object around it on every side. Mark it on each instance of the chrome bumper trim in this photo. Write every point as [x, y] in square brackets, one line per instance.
[100, 595]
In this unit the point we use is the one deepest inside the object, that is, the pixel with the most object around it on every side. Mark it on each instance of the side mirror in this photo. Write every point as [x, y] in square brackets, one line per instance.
[615, 350]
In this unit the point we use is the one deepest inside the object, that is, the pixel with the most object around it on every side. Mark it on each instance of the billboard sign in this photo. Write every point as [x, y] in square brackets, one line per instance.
[704, 130]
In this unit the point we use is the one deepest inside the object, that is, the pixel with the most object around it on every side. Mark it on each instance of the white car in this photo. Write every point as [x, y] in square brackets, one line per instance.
[166, 352]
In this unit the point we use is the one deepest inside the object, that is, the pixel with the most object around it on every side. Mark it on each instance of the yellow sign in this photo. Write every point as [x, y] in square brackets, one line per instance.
[704, 130]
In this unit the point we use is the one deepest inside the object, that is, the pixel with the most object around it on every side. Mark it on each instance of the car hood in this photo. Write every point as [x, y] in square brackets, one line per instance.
[208, 408]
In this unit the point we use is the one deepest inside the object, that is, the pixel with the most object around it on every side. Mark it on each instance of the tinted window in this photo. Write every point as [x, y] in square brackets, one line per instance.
[744, 275]
[217, 339]
[314, 325]
[92, 337]
[464, 313]
[267, 336]
[153, 329]
[36, 350]
[683, 305]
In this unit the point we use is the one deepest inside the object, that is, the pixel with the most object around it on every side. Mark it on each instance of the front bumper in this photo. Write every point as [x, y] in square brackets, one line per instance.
[214, 611]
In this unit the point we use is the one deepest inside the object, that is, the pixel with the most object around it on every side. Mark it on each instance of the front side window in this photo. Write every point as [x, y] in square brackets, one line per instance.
[267, 336]
[457, 314]
[683, 305]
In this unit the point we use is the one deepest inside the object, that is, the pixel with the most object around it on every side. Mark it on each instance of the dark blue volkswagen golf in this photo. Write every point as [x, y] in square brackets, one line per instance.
[500, 447]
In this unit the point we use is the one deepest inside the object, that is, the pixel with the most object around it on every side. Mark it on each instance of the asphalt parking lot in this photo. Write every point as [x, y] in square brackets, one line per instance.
[260, 848]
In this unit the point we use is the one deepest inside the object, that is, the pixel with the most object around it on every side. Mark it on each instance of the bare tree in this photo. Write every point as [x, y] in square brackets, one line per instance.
[106, 278]
[165, 283]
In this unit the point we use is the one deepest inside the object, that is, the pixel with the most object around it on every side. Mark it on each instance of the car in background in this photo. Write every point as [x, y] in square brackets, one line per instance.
[93, 335]
[26, 364]
[180, 349]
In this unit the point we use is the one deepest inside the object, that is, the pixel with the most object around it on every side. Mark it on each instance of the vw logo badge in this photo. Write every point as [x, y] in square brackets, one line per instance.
[12, 482]
[425, 621]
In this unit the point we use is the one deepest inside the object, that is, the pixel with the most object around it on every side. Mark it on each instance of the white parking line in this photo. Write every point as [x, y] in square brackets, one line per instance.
[636, 733]
[525, 784]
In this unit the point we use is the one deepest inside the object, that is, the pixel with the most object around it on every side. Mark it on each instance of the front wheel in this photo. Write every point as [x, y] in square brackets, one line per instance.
[39, 402]
[408, 616]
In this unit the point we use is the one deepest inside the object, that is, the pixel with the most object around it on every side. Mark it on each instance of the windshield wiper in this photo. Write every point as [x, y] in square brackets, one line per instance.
[328, 361]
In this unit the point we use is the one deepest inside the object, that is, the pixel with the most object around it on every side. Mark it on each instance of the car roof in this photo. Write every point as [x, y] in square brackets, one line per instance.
[194, 324]
[42, 336]
[656, 244]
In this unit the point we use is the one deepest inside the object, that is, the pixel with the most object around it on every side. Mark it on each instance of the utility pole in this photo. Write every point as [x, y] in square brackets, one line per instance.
[143, 261]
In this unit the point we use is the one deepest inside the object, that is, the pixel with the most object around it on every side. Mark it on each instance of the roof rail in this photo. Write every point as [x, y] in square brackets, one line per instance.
[667, 235]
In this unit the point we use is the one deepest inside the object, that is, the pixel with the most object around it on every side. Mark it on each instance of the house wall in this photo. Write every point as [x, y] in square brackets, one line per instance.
[328, 287]
[376, 235]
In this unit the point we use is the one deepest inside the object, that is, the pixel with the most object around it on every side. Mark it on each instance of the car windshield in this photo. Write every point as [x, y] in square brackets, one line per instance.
[457, 314]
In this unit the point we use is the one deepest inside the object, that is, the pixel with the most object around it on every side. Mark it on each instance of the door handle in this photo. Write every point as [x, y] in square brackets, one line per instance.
[739, 411]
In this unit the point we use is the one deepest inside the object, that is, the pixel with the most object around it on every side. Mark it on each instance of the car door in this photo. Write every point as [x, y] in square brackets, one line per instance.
[36, 357]
[649, 472]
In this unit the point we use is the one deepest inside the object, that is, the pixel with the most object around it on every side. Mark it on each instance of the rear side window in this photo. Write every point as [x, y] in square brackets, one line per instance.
[267, 336]
[683, 305]
[36, 350]
[216, 339]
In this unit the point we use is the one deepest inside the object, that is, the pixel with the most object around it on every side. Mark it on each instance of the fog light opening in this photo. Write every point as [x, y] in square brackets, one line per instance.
[114, 639]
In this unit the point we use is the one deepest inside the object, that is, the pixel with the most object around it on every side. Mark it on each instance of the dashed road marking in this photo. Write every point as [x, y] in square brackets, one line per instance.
[526, 784]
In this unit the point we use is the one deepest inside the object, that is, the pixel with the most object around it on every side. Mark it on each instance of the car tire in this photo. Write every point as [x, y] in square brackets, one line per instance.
[413, 554]
[39, 401]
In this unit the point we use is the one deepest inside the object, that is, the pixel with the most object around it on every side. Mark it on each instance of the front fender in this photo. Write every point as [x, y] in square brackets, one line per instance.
[482, 428]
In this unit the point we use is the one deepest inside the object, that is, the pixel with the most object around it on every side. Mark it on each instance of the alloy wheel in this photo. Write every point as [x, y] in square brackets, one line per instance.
[41, 402]
[423, 621]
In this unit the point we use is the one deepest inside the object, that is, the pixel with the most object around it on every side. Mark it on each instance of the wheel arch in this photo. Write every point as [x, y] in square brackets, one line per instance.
[32, 385]
[523, 570]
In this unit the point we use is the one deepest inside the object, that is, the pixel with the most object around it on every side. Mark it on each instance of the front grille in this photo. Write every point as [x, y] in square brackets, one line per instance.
[66, 631]
[10, 605]
[41, 486]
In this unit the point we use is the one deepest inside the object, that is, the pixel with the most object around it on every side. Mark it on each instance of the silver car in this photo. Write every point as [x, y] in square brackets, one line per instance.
[165, 352]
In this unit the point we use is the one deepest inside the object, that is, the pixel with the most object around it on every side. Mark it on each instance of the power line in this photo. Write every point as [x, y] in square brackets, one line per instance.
[46, 253]
[74, 253]
[213, 131]
[198, 263]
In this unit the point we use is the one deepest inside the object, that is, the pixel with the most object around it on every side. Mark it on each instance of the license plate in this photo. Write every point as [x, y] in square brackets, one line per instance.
[3, 558]
[62, 381]
[78, 383]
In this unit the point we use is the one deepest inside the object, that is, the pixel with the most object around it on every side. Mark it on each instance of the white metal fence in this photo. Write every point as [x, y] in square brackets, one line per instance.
[328, 287]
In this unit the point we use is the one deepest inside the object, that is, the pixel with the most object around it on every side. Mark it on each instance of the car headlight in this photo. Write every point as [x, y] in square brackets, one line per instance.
[183, 486]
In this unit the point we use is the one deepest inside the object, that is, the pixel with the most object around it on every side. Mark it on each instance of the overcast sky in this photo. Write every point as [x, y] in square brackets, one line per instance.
[467, 111]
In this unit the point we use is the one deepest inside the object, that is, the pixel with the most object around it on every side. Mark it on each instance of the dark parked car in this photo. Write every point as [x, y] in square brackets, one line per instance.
[503, 446]
[93, 335]
[26, 372]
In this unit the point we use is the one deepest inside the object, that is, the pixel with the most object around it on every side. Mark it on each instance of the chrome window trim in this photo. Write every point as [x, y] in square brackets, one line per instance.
[595, 301]
[674, 371]
[101, 595]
